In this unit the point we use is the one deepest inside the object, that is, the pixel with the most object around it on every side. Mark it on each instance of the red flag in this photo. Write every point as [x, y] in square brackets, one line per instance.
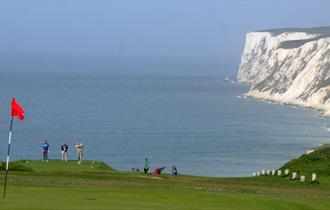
[16, 110]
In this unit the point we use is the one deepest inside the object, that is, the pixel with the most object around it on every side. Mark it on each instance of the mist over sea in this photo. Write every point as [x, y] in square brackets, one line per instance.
[196, 122]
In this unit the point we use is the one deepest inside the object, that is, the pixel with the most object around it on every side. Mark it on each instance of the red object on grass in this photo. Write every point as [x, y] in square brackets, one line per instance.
[16, 110]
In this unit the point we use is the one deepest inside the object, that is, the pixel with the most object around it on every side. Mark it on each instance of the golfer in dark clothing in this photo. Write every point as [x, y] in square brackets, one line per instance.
[174, 171]
[64, 149]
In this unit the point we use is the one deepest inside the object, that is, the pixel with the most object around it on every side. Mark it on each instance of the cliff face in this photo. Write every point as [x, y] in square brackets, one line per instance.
[290, 66]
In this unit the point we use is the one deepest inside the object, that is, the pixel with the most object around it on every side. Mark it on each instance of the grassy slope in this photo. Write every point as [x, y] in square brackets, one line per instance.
[316, 162]
[57, 185]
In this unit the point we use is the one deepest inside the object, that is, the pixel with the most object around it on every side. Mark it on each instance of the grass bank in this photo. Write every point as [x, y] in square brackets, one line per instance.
[36, 185]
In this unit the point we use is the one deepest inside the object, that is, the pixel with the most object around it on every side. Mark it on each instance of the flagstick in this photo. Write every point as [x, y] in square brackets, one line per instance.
[9, 140]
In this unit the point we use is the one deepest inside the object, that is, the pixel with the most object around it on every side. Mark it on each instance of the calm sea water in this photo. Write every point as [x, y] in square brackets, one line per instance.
[195, 122]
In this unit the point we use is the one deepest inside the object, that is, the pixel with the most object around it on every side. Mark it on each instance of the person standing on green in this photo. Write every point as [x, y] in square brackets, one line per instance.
[45, 150]
[146, 166]
[80, 149]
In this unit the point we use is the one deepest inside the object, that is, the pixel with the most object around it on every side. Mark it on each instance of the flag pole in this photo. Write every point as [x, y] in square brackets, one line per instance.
[8, 153]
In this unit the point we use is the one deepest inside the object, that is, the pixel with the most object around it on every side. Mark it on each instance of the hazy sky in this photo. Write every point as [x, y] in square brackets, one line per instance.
[209, 30]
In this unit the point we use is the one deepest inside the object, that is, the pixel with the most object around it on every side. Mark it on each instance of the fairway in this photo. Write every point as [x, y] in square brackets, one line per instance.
[94, 185]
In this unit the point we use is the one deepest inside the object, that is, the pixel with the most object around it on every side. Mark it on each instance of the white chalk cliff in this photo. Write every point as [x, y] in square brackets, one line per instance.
[290, 66]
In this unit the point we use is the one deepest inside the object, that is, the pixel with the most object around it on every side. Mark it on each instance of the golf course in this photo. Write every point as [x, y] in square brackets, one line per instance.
[34, 185]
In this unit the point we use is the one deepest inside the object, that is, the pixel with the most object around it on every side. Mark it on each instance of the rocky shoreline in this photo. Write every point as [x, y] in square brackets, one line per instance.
[250, 96]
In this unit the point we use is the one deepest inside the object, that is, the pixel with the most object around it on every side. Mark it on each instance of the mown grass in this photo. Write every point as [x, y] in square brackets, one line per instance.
[93, 185]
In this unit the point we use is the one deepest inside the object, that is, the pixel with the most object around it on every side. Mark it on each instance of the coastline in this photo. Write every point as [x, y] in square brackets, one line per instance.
[263, 97]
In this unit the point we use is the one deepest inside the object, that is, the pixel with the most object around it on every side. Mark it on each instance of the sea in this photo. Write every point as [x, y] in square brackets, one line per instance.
[196, 122]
